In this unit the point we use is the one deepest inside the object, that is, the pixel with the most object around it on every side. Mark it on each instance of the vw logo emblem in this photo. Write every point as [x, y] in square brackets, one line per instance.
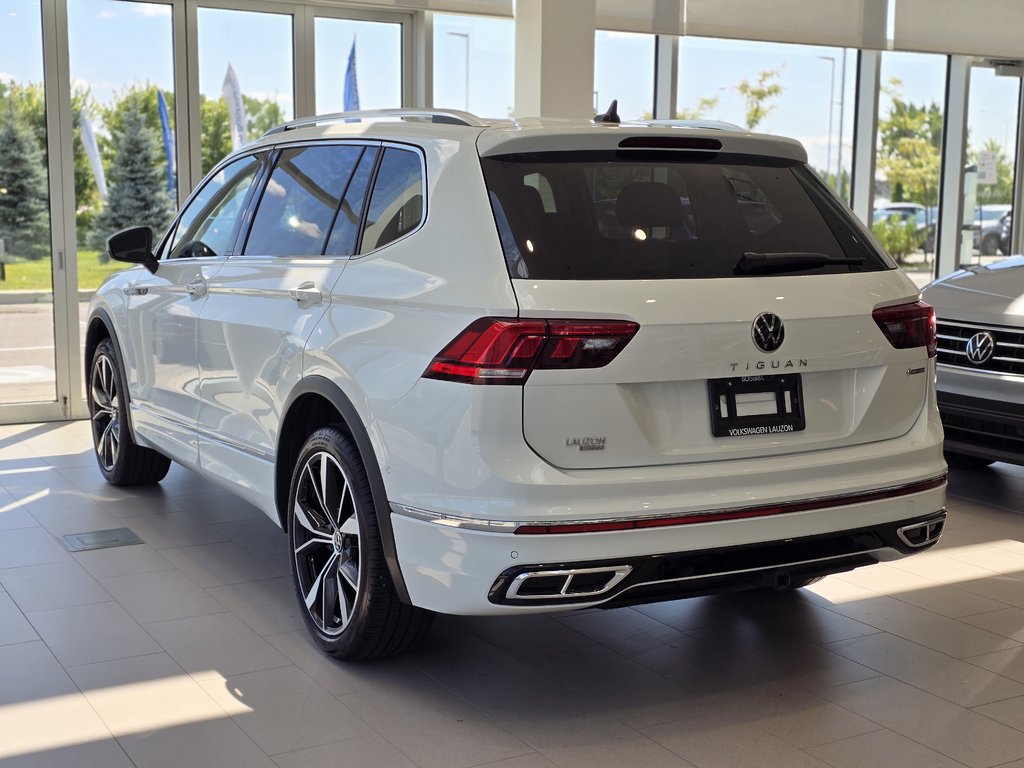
[768, 332]
[980, 347]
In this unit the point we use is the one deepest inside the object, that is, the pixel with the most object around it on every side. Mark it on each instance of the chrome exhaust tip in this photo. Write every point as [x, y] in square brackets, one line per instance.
[566, 584]
[921, 534]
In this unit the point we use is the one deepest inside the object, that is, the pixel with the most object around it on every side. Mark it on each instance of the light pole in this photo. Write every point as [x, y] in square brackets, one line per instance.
[465, 38]
[831, 109]
[842, 109]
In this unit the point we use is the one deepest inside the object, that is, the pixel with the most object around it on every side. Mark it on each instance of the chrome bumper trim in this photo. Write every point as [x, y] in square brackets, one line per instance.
[510, 526]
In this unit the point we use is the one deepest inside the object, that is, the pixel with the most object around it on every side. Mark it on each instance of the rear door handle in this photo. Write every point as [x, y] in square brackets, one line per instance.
[197, 288]
[306, 293]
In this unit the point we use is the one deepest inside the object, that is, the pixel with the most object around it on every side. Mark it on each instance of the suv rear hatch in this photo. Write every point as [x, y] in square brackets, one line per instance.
[695, 247]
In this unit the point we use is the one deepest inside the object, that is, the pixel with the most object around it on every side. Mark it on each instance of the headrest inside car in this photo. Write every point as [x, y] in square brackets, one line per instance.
[649, 204]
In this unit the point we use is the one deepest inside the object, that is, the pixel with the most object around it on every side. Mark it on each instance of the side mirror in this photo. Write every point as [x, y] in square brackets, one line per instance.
[135, 246]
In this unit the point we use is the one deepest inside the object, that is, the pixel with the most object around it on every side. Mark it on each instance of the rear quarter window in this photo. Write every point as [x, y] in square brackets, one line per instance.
[396, 203]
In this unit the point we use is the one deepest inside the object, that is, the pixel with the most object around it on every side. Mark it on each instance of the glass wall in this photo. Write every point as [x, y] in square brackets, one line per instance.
[123, 120]
[624, 70]
[805, 92]
[27, 358]
[474, 64]
[246, 80]
[992, 116]
[358, 65]
[909, 157]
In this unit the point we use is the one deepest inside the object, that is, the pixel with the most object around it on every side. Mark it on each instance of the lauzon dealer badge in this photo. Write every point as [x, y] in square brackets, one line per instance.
[586, 443]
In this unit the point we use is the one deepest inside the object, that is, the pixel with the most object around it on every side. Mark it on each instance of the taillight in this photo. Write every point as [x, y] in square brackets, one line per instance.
[497, 350]
[908, 325]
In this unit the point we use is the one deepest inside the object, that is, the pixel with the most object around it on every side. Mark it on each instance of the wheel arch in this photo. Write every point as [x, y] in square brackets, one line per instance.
[101, 327]
[318, 402]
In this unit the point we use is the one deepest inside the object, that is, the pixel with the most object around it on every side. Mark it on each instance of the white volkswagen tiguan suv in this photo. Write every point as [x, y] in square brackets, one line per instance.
[525, 366]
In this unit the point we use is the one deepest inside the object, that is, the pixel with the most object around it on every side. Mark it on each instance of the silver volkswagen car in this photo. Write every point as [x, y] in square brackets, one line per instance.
[980, 315]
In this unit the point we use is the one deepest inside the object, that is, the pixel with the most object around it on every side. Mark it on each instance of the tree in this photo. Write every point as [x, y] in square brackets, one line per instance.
[261, 115]
[704, 104]
[216, 130]
[29, 103]
[758, 94]
[910, 153]
[24, 201]
[138, 193]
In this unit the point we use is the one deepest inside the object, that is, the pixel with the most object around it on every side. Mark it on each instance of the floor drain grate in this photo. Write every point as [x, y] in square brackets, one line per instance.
[115, 537]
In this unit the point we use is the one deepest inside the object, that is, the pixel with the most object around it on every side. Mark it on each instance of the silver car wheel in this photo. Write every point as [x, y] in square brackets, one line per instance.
[326, 543]
[106, 419]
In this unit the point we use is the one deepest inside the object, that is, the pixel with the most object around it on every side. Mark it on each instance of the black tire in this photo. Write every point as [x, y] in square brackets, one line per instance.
[342, 582]
[120, 459]
[966, 461]
[990, 245]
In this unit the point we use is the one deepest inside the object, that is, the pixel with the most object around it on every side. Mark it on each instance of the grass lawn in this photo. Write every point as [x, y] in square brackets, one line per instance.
[35, 275]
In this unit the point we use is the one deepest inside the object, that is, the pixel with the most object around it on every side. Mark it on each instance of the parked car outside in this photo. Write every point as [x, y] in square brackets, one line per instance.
[505, 368]
[980, 311]
[921, 217]
[1005, 232]
[988, 222]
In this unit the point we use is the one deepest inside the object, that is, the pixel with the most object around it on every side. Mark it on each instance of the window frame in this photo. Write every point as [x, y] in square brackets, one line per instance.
[262, 155]
[418, 151]
[274, 155]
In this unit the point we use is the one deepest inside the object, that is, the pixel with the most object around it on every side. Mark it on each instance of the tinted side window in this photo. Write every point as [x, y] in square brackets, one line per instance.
[346, 223]
[301, 200]
[396, 205]
[206, 225]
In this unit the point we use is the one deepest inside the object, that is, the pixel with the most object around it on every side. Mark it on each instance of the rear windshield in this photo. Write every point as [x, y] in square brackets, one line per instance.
[617, 215]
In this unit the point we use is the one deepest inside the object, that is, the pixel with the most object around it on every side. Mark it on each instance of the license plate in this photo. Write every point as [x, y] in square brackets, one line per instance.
[756, 405]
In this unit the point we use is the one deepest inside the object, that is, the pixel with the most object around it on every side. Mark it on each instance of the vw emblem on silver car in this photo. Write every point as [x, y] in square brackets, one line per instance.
[768, 332]
[980, 347]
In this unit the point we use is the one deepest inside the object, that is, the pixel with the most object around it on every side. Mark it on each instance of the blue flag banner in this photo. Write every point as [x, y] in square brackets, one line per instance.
[165, 130]
[351, 102]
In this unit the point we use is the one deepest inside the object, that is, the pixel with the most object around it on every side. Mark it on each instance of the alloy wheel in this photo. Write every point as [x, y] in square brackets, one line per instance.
[106, 418]
[325, 542]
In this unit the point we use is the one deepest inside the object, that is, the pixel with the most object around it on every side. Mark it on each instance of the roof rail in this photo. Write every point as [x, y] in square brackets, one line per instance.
[714, 125]
[448, 116]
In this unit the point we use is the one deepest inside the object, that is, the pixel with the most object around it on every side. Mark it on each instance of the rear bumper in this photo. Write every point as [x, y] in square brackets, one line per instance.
[992, 429]
[772, 564]
[468, 571]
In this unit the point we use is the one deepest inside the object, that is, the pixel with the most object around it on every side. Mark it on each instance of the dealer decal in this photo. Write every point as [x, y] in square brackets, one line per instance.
[586, 443]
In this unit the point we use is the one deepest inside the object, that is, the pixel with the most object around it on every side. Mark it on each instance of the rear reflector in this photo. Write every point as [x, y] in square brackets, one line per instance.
[498, 350]
[736, 514]
[908, 325]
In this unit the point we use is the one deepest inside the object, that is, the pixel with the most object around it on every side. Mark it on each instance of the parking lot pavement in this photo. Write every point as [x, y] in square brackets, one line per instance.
[27, 372]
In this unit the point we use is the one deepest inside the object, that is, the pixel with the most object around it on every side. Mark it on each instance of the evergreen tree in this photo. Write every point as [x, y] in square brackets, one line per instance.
[138, 187]
[24, 198]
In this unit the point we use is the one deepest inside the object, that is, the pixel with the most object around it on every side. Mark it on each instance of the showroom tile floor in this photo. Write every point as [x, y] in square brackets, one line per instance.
[187, 650]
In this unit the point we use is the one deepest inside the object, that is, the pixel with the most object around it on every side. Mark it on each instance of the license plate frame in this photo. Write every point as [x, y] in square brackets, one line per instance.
[727, 421]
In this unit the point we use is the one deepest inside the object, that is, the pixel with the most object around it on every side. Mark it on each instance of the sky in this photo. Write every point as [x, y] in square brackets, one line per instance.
[115, 43]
